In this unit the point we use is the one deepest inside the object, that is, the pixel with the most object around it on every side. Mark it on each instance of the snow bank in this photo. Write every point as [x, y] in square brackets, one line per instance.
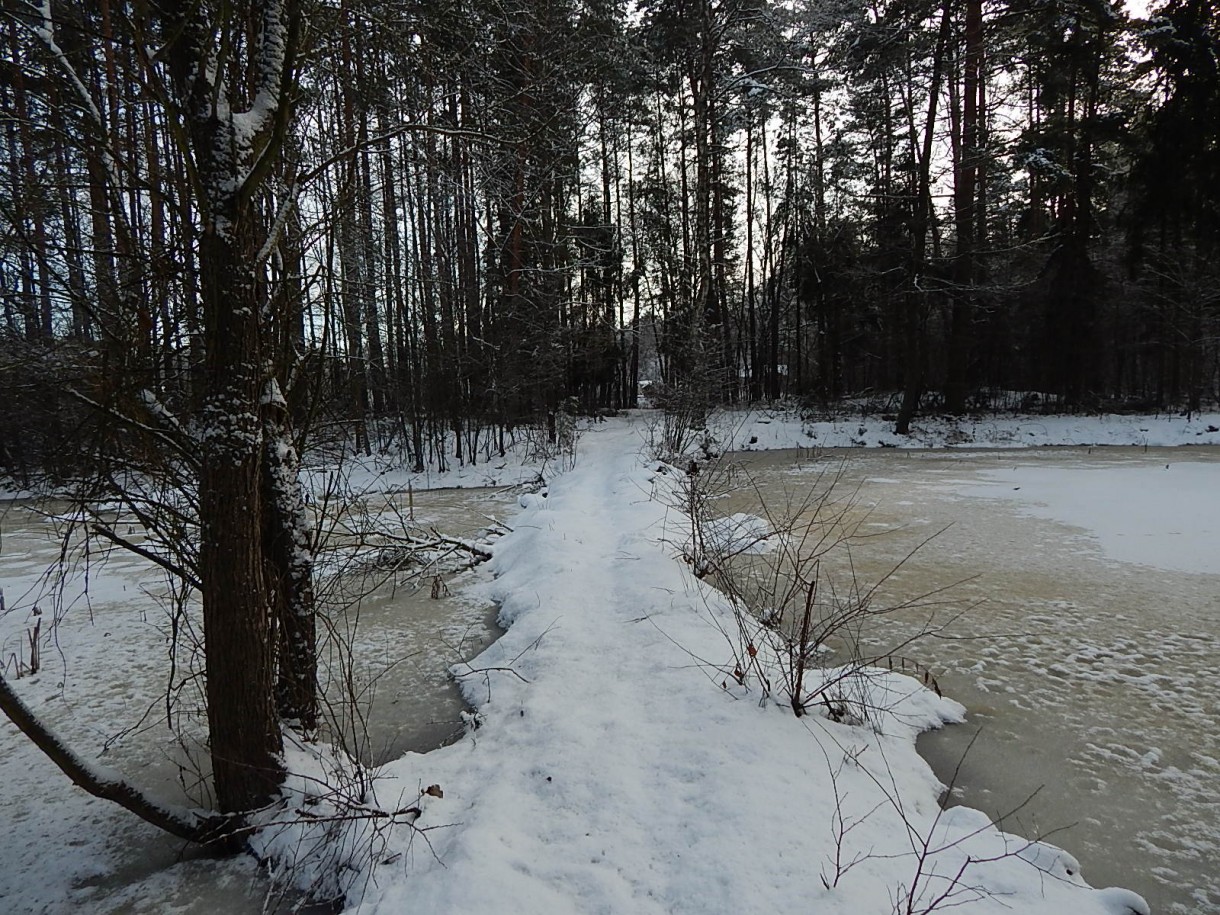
[524, 460]
[616, 767]
[760, 430]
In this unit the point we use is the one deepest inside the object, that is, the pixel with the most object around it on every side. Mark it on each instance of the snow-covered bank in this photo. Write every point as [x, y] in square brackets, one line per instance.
[760, 430]
[617, 769]
[526, 459]
[528, 455]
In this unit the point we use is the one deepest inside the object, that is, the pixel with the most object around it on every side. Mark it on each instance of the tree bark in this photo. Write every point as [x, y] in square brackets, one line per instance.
[289, 563]
[912, 319]
[242, 721]
[968, 162]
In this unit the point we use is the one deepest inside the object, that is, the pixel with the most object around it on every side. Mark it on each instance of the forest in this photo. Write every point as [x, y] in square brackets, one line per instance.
[235, 235]
[462, 217]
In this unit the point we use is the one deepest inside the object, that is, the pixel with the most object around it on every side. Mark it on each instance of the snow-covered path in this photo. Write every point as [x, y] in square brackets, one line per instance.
[612, 772]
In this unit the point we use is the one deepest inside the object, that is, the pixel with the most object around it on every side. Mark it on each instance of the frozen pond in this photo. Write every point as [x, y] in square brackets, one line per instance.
[1088, 663]
[103, 686]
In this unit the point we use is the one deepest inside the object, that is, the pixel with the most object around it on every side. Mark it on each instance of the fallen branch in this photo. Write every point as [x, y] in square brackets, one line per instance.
[109, 785]
[480, 554]
[403, 549]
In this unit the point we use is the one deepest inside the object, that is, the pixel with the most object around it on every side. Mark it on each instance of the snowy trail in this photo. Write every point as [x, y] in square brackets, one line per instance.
[614, 774]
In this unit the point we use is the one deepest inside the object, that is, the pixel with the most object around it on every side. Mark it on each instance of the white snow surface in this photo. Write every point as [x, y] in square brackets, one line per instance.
[617, 766]
[762, 430]
[1166, 516]
[524, 461]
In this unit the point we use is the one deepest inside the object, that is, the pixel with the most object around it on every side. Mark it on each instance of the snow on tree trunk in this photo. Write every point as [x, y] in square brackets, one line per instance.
[288, 551]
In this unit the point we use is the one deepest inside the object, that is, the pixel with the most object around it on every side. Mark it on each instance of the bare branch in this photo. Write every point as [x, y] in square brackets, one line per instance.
[106, 784]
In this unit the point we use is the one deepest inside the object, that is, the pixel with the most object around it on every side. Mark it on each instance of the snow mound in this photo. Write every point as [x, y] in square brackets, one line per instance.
[1123, 902]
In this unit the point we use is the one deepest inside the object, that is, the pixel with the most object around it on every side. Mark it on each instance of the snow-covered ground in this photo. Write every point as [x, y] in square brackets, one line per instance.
[761, 430]
[527, 456]
[617, 766]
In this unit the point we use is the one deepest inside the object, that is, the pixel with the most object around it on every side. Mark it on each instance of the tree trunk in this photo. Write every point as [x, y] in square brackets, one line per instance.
[288, 550]
[968, 162]
[242, 722]
[240, 662]
[913, 305]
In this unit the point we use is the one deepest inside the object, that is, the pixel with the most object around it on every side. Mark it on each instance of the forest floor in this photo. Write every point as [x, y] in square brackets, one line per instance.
[616, 765]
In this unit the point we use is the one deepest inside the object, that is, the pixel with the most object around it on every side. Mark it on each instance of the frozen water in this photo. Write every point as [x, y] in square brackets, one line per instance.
[1088, 666]
[103, 685]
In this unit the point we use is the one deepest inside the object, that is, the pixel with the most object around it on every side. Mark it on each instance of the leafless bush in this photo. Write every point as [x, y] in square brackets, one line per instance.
[802, 618]
[556, 442]
[685, 418]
